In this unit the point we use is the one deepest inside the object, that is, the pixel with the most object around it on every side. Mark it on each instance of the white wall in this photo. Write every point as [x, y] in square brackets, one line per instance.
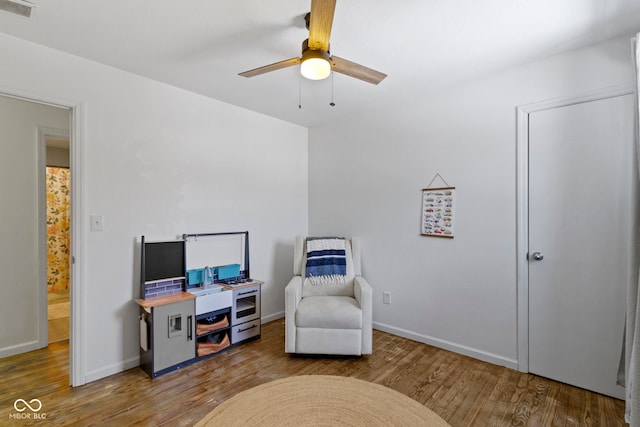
[57, 156]
[159, 161]
[20, 283]
[366, 174]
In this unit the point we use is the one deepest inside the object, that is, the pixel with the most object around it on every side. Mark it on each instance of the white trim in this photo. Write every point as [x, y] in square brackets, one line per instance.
[23, 347]
[41, 159]
[41, 184]
[30, 97]
[448, 345]
[115, 368]
[133, 362]
[272, 317]
[77, 368]
[522, 203]
[43, 132]
[522, 237]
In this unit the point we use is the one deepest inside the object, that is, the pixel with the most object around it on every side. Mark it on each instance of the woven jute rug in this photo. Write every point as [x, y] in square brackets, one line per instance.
[320, 400]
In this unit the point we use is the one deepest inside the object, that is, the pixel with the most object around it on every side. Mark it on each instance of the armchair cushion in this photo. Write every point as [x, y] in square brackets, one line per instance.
[320, 312]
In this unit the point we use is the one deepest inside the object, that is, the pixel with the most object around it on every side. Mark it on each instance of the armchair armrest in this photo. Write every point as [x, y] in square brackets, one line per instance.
[364, 295]
[292, 297]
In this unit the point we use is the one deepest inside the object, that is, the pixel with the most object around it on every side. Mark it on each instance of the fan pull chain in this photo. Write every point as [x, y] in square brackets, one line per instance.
[299, 91]
[333, 104]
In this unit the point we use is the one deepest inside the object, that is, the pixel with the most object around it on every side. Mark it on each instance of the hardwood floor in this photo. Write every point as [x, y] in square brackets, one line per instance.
[463, 391]
[58, 315]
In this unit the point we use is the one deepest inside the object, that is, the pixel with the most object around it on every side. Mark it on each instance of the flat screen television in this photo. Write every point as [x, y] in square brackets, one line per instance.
[163, 260]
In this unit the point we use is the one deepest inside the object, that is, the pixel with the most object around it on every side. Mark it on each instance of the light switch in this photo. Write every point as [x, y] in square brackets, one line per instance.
[97, 222]
[386, 297]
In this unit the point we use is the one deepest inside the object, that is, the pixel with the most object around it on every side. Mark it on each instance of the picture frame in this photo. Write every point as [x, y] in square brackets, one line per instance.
[438, 212]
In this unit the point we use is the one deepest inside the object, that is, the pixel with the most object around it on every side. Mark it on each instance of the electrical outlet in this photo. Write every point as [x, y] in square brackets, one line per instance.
[386, 297]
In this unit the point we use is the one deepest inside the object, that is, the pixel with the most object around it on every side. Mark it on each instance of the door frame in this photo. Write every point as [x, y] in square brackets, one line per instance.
[522, 203]
[77, 374]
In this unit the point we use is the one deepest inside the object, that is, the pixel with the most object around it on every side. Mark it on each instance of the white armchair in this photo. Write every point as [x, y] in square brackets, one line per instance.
[330, 318]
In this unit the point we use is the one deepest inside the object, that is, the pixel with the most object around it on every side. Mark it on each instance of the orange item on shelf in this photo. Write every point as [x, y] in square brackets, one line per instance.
[203, 328]
[208, 347]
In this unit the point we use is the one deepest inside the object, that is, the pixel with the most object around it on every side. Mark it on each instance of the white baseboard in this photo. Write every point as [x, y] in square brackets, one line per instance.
[135, 361]
[18, 349]
[112, 369]
[272, 317]
[448, 345]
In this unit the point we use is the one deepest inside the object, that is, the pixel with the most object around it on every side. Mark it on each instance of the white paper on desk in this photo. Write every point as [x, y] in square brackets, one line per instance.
[143, 335]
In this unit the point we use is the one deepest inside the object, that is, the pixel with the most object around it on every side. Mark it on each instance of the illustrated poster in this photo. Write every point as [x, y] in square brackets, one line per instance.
[438, 207]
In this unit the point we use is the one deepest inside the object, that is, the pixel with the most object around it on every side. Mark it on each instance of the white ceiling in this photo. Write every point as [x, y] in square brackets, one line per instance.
[423, 45]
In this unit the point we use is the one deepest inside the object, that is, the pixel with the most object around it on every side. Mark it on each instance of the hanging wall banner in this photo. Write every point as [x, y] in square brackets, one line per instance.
[438, 208]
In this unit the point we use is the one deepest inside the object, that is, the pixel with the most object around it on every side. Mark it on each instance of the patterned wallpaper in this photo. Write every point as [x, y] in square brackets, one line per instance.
[58, 220]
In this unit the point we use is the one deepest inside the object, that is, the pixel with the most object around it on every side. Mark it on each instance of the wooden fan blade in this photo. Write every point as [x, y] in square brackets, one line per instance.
[320, 22]
[271, 67]
[358, 71]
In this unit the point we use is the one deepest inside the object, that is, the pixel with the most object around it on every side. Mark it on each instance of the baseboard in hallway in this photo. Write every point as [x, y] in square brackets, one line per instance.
[55, 297]
[58, 311]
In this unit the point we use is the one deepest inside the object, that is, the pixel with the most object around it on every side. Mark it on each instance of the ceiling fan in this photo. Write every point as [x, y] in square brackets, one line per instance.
[316, 63]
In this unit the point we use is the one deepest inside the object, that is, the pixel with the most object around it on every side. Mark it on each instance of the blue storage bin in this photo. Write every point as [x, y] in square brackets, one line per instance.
[228, 271]
[195, 276]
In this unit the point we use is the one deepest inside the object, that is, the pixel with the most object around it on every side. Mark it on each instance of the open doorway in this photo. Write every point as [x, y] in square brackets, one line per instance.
[58, 227]
[23, 228]
[23, 127]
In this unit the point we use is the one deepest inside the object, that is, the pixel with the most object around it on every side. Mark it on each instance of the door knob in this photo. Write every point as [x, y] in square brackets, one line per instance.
[537, 256]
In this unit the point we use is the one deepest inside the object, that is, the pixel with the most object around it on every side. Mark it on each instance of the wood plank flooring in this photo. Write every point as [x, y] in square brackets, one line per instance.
[58, 315]
[463, 391]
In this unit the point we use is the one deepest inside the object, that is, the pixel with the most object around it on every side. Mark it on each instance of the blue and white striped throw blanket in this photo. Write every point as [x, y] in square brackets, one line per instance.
[326, 260]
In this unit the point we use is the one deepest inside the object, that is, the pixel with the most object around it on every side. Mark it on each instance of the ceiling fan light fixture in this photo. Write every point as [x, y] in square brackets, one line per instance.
[315, 65]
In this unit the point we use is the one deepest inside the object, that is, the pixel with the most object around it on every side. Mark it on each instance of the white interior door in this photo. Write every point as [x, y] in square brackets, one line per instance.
[580, 237]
